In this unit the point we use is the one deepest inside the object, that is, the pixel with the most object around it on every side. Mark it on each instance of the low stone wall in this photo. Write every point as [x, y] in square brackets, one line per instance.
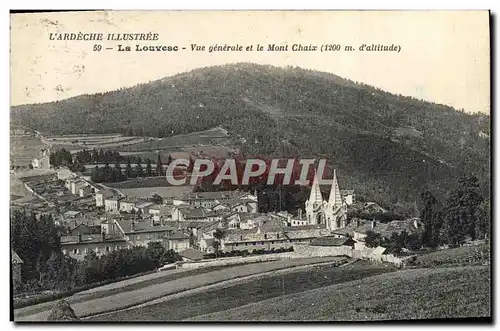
[226, 261]
[371, 254]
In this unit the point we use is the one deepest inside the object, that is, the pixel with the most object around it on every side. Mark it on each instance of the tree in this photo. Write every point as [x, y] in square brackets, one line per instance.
[219, 234]
[149, 170]
[373, 239]
[157, 199]
[462, 211]
[396, 242]
[157, 252]
[483, 224]
[118, 172]
[96, 175]
[138, 170]
[128, 170]
[34, 240]
[432, 219]
[159, 166]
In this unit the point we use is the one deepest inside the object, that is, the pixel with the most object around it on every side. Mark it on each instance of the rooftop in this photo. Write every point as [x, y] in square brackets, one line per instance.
[177, 235]
[135, 226]
[331, 241]
[192, 254]
[213, 195]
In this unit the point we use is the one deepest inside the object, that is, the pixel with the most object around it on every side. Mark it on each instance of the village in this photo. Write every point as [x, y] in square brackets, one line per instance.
[206, 226]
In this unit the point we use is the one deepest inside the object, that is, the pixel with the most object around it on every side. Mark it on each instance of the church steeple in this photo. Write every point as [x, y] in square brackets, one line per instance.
[335, 198]
[315, 196]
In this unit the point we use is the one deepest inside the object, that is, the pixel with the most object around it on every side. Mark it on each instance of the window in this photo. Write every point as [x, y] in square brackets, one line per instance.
[107, 248]
[97, 249]
[236, 244]
[86, 250]
[265, 235]
[254, 243]
[272, 242]
[75, 251]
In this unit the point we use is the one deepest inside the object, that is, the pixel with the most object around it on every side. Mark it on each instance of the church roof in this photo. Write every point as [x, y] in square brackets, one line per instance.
[315, 196]
[335, 198]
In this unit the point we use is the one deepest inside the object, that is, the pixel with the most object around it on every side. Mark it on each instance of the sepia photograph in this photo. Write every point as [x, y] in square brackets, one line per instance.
[250, 166]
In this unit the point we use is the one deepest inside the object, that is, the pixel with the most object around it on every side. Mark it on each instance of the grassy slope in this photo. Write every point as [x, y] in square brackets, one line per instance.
[253, 291]
[409, 294]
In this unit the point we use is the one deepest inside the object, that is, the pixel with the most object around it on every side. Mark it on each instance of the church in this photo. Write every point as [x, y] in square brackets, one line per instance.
[333, 212]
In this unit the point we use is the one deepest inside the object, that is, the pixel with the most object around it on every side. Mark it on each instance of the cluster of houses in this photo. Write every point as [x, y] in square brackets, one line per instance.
[188, 223]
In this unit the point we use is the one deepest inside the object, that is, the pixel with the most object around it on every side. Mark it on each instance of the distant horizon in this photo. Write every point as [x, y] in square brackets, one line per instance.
[251, 63]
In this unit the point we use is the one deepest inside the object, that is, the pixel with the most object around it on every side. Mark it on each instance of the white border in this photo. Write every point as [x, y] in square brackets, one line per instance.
[190, 5]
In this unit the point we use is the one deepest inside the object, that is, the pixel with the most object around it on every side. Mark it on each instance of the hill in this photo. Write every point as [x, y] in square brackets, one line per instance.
[460, 292]
[387, 147]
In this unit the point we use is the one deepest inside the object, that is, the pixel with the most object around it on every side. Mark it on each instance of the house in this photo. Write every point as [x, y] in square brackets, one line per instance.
[138, 232]
[128, 205]
[85, 191]
[154, 210]
[72, 214]
[101, 195]
[189, 213]
[79, 246]
[143, 207]
[239, 220]
[177, 241]
[162, 214]
[112, 204]
[191, 255]
[74, 185]
[359, 228]
[271, 235]
[349, 196]
[17, 264]
[43, 161]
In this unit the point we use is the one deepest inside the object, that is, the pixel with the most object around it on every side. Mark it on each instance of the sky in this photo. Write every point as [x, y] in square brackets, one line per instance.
[444, 55]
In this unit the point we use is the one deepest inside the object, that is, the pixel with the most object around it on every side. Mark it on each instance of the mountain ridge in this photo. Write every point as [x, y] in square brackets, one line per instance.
[394, 145]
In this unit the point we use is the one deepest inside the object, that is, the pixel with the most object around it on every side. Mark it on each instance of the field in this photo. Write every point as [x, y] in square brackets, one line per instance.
[90, 141]
[261, 288]
[213, 136]
[410, 294]
[23, 149]
[213, 142]
[164, 191]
